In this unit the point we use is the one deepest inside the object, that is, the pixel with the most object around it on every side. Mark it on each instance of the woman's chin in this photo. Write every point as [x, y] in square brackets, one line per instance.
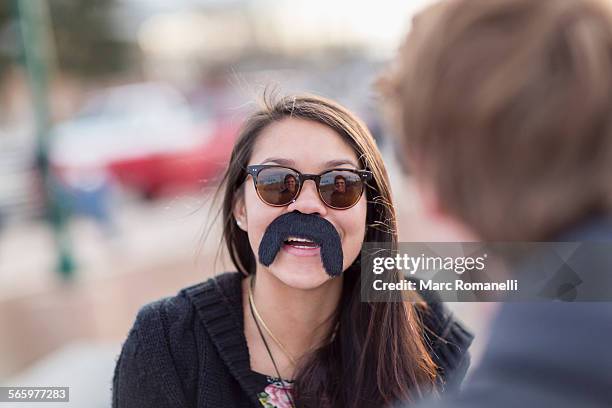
[301, 276]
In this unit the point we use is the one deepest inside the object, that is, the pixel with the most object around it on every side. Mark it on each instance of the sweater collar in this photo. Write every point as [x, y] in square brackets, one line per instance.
[218, 302]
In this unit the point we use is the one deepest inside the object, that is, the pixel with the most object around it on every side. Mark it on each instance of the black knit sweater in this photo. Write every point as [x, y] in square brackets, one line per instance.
[190, 351]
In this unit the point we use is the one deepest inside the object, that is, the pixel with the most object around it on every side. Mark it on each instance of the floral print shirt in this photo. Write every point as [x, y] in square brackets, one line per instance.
[276, 392]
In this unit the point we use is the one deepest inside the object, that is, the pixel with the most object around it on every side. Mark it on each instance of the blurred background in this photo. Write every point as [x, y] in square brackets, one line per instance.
[117, 118]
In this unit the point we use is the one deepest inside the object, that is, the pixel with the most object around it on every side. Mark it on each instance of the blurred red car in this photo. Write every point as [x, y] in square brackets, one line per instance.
[167, 173]
[146, 137]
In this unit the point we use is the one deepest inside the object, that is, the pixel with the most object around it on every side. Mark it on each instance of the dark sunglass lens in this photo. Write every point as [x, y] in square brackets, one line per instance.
[277, 185]
[340, 188]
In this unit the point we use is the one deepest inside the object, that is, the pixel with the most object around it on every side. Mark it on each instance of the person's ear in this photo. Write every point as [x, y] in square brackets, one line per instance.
[239, 212]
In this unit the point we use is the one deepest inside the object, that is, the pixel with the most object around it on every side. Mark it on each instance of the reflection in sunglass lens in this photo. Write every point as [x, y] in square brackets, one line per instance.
[340, 188]
[277, 185]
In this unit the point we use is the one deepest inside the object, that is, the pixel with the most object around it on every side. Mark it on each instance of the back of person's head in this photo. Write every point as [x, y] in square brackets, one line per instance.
[504, 108]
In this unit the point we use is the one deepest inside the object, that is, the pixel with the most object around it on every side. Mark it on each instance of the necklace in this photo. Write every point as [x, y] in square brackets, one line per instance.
[258, 317]
[253, 314]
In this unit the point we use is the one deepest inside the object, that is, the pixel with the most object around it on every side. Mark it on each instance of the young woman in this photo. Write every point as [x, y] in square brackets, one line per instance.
[289, 329]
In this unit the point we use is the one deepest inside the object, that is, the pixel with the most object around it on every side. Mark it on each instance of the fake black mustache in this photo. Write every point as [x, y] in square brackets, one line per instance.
[312, 227]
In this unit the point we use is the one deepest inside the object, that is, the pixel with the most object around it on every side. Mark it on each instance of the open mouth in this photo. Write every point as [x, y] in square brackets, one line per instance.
[300, 243]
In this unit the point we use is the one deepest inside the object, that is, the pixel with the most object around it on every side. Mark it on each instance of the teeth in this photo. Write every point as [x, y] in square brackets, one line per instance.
[298, 239]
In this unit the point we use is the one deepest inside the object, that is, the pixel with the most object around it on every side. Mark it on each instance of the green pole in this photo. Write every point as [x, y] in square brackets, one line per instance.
[34, 24]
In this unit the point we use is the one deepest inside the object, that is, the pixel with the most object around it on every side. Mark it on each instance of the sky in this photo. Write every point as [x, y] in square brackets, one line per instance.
[292, 25]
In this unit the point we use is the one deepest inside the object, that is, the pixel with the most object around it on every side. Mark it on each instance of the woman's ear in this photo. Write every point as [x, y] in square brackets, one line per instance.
[240, 212]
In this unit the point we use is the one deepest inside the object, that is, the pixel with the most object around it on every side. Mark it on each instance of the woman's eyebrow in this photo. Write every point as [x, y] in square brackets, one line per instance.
[279, 160]
[326, 165]
[336, 163]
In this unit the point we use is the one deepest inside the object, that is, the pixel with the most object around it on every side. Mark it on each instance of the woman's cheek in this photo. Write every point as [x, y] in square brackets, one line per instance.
[354, 231]
[260, 216]
[257, 221]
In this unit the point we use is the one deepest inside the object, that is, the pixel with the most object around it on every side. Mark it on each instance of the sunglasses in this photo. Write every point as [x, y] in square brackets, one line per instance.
[279, 186]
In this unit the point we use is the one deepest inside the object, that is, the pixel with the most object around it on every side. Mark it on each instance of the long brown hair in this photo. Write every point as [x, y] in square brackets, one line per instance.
[377, 355]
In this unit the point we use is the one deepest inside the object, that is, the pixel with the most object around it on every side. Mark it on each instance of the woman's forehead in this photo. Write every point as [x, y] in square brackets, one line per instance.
[294, 142]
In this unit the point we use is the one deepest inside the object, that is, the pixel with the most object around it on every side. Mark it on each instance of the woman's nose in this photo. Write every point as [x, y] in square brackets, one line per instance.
[308, 201]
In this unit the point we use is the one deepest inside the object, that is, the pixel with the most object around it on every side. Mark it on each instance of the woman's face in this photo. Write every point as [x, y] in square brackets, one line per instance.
[308, 147]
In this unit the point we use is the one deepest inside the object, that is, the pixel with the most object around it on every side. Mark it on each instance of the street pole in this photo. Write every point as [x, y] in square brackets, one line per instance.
[34, 24]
